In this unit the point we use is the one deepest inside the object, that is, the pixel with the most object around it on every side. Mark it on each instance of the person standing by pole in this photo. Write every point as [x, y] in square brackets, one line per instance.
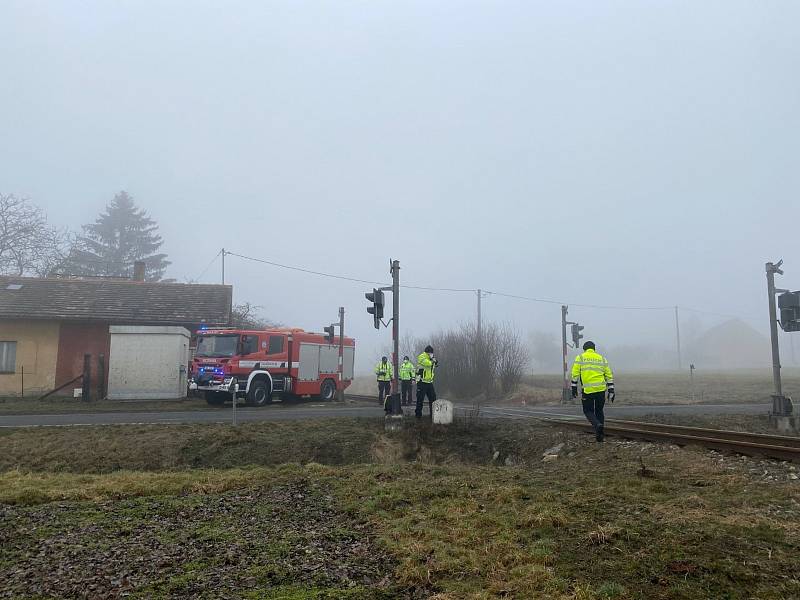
[406, 381]
[592, 371]
[426, 365]
[385, 374]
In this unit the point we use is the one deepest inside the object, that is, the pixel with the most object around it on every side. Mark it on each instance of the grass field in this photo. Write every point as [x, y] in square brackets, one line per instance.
[669, 387]
[720, 387]
[338, 509]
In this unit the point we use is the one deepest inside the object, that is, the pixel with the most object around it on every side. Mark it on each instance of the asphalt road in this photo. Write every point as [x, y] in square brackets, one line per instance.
[317, 410]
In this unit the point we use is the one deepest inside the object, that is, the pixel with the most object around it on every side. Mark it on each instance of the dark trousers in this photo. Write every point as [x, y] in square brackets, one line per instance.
[384, 388]
[405, 392]
[593, 408]
[425, 389]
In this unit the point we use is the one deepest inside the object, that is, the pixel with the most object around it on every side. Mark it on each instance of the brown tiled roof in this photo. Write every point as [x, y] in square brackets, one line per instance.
[114, 301]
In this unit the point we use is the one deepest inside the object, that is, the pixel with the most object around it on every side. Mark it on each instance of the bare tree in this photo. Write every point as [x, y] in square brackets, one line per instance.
[470, 366]
[409, 346]
[28, 244]
[545, 351]
[512, 358]
[246, 316]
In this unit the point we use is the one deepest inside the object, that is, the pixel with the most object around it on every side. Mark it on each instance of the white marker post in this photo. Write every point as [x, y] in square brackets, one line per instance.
[234, 388]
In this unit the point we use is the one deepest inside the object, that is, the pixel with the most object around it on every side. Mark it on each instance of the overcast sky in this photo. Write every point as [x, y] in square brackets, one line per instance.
[625, 153]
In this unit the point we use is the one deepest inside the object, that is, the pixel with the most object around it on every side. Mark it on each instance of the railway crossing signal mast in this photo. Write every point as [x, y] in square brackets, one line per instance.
[376, 310]
[329, 337]
[577, 336]
[789, 304]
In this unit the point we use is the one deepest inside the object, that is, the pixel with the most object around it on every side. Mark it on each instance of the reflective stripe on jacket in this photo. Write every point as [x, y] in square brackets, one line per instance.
[407, 371]
[425, 364]
[384, 371]
[592, 370]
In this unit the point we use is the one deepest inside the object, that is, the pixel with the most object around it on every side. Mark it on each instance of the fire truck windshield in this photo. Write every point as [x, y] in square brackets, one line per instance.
[216, 345]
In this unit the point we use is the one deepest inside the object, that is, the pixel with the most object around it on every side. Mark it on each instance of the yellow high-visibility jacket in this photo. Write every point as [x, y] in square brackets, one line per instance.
[592, 370]
[425, 364]
[384, 371]
[407, 371]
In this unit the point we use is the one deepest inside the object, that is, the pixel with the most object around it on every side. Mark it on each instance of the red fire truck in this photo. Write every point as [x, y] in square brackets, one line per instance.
[274, 361]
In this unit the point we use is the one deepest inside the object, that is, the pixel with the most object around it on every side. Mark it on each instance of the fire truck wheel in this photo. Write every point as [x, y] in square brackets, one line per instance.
[215, 398]
[259, 393]
[327, 391]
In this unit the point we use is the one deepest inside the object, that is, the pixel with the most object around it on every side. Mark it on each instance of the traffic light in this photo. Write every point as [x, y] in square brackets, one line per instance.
[376, 310]
[329, 333]
[789, 305]
[576, 334]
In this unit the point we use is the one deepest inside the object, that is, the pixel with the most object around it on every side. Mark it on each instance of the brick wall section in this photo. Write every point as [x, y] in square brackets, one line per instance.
[77, 339]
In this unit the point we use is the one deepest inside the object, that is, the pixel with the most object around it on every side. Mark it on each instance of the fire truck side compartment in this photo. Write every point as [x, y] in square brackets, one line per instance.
[309, 362]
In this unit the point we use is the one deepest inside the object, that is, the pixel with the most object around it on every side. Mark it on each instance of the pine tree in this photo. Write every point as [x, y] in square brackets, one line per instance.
[120, 236]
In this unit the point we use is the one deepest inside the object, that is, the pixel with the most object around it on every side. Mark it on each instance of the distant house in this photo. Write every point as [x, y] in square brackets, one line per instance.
[730, 345]
[47, 325]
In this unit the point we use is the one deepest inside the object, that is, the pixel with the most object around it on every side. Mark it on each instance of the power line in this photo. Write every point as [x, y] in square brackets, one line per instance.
[343, 277]
[716, 314]
[604, 306]
[474, 291]
[208, 266]
[301, 270]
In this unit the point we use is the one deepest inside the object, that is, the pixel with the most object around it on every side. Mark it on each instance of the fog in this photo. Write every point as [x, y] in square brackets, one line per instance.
[608, 153]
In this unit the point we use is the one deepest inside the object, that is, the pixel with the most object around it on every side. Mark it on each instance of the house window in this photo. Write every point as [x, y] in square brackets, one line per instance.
[275, 344]
[8, 357]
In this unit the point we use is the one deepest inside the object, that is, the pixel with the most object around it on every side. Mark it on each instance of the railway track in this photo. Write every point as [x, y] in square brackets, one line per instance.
[362, 397]
[739, 442]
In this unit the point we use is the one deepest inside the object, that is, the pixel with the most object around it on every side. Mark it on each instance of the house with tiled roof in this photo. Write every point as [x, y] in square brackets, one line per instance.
[47, 325]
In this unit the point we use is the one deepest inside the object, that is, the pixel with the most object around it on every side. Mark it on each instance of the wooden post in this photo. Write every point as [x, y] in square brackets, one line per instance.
[22, 384]
[86, 390]
[101, 377]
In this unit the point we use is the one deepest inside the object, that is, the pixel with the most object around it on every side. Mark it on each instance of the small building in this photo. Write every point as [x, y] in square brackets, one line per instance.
[47, 325]
[148, 363]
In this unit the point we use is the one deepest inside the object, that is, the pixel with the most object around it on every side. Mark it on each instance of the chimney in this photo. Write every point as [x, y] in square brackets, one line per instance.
[138, 270]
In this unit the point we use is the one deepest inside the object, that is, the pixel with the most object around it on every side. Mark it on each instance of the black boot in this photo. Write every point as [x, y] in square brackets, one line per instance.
[600, 434]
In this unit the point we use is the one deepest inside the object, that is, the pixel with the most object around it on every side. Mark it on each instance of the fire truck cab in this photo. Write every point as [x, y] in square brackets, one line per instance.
[289, 362]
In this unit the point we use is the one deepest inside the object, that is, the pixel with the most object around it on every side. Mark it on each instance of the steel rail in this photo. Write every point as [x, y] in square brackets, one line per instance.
[726, 434]
[729, 441]
[739, 442]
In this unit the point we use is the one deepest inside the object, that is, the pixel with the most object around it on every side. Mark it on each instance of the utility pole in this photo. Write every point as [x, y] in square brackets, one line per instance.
[781, 405]
[678, 337]
[481, 295]
[565, 388]
[479, 318]
[223, 266]
[340, 390]
[395, 270]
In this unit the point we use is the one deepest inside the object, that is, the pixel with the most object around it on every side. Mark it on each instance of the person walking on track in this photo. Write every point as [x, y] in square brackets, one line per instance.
[426, 365]
[406, 381]
[385, 373]
[592, 371]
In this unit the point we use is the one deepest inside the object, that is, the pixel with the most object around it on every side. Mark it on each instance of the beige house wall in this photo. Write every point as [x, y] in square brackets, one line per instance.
[37, 352]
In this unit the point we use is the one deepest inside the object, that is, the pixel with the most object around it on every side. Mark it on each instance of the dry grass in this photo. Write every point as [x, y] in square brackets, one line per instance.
[586, 526]
[329, 441]
[722, 387]
[18, 487]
